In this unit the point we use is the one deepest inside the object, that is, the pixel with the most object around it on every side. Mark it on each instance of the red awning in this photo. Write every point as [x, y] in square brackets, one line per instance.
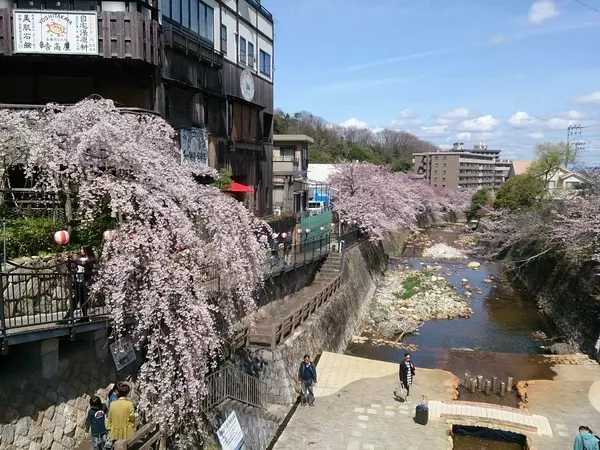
[238, 187]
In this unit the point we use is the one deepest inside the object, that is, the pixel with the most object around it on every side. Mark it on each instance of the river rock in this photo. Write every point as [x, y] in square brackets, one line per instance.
[474, 265]
[443, 251]
[563, 349]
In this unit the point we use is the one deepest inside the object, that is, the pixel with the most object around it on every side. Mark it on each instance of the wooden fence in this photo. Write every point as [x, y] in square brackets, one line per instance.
[274, 334]
[146, 438]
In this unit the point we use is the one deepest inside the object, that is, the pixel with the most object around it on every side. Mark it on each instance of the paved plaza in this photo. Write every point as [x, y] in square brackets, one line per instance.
[356, 409]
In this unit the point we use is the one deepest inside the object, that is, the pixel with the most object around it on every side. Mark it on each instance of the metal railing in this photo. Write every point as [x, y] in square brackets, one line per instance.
[233, 384]
[274, 334]
[287, 255]
[351, 237]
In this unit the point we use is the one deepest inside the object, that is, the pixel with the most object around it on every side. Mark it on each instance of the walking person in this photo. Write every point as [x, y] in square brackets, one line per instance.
[407, 374]
[96, 423]
[585, 440]
[121, 415]
[113, 394]
[307, 376]
[83, 268]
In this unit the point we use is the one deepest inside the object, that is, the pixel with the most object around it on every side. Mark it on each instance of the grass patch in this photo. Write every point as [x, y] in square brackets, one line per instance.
[412, 286]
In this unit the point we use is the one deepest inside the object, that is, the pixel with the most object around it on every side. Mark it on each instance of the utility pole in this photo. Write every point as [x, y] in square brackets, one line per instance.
[574, 142]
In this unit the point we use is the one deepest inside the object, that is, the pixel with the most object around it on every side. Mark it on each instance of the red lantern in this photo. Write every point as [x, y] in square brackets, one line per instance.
[61, 237]
[283, 235]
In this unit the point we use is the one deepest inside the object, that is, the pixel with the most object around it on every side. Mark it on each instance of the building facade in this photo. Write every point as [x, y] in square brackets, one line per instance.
[206, 66]
[290, 168]
[218, 87]
[460, 168]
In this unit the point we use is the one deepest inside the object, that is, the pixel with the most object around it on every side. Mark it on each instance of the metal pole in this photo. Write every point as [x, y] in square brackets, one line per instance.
[4, 241]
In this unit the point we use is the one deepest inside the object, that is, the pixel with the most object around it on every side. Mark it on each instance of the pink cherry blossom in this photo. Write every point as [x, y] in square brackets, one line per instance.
[153, 271]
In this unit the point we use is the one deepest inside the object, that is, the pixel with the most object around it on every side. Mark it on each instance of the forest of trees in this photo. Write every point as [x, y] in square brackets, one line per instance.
[335, 144]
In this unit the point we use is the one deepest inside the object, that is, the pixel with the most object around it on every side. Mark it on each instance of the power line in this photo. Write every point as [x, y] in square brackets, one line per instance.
[589, 6]
[574, 141]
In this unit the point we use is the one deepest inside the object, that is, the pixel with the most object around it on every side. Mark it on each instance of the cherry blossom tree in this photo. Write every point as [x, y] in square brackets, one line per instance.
[153, 272]
[381, 201]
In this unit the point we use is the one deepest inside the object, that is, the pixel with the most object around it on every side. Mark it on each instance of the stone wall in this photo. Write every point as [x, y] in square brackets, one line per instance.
[567, 295]
[279, 287]
[329, 329]
[45, 389]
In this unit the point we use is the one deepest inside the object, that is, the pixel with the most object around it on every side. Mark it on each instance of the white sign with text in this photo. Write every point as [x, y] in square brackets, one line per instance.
[56, 32]
[230, 433]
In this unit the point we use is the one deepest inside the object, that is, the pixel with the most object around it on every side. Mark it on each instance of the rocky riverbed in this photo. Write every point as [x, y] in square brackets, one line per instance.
[406, 298]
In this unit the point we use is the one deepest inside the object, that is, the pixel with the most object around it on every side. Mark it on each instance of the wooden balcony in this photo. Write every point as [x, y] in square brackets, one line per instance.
[121, 35]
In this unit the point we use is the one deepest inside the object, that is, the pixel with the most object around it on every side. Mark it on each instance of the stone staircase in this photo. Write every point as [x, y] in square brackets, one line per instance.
[274, 413]
[330, 269]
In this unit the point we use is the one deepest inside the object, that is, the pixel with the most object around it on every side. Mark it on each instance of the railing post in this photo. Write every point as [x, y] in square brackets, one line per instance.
[273, 336]
[2, 318]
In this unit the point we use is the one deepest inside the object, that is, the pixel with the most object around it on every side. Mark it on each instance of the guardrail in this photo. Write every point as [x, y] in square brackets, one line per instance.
[287, 256]
[146, 438]
[276, 333]
[231, 383]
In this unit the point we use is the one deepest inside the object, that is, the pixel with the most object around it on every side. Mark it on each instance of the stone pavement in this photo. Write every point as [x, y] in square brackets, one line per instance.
[570, 400]
[355, 409]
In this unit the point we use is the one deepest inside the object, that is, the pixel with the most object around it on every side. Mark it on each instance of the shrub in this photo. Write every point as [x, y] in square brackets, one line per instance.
[31, 236]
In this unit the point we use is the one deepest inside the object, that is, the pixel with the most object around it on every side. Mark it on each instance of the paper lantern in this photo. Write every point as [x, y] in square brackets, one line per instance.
[299, 230]
[308, 230]
[322, 228]
[332, 225]
[283, 235]
[108, 235]
[61, 237]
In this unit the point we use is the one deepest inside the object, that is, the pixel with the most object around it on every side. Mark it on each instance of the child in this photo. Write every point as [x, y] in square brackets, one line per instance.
[95, 423]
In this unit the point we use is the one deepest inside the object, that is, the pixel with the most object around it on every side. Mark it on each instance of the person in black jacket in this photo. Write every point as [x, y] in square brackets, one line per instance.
[82, 270]
[407, 373]
[307, 376]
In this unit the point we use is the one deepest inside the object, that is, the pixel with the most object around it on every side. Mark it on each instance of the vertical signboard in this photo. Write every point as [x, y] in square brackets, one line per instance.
[194, 146]
[123, 353]
[55, 32]
[230, 433]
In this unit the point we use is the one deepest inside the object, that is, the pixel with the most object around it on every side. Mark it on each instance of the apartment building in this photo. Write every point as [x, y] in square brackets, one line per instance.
[206, 66]
[290, 168]
[459, 168]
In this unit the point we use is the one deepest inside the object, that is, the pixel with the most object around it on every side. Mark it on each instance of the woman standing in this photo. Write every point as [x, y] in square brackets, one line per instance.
[83, 268]
[407, 373]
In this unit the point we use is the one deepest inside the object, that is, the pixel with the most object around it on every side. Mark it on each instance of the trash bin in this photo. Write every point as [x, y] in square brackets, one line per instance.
[422, 412]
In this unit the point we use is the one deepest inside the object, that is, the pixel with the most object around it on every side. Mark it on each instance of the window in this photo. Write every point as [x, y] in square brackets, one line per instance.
[242, 50]
[29, 4]
[207, 22]
[176, 11]
[251, 54]
[224, 39]
[194, 16]
[166, 8]
[264, 63]
[185, 12]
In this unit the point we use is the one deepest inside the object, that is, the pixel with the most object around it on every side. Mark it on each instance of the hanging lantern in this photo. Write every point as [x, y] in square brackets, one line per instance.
[332, 225]
[283, 235]
[322, 228]
[307, 230]
[61, 237]
[108, 235]
[299, 230]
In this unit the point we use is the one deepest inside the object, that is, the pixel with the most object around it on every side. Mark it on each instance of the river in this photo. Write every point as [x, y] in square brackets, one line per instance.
[495, 341]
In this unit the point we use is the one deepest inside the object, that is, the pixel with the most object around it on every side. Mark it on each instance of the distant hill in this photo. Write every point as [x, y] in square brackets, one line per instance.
[334, 143]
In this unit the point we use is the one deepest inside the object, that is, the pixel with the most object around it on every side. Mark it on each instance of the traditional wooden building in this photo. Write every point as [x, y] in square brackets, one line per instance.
[218, 85]
[205, 65]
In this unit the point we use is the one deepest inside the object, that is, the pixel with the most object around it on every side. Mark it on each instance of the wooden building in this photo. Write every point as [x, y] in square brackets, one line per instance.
[206, 66]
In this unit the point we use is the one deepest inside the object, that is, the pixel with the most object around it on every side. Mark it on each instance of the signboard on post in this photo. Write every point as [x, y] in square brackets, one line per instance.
[55, 32]
[123, 353]
[230, 433]
[194, 146]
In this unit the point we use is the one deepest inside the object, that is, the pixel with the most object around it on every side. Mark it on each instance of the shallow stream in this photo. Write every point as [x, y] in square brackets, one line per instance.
[495, 341]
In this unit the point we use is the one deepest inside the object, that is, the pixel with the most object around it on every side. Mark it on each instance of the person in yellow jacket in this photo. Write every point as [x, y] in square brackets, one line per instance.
[121, 417]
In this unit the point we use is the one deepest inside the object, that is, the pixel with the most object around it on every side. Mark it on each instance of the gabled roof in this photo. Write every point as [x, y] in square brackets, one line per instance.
[520, 166]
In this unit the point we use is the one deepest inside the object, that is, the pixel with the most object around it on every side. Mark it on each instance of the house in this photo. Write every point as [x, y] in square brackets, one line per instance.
[560, 183]
[290, 169]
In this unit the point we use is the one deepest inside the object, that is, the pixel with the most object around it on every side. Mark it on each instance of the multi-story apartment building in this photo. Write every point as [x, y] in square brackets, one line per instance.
[206, 66]
[290, 168]
[460, 168]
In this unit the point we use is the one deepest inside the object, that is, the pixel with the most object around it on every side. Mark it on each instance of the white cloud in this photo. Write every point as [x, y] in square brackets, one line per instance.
[435, 130]
[479, 124]
[558, 123]
[458, 113]
[407, 114]
[536, 135]
[542, 10]
[589, 99]
[353, 123]
[572, 114]
[521, 119]
[465, 135]
[443, 121]
[376, 129]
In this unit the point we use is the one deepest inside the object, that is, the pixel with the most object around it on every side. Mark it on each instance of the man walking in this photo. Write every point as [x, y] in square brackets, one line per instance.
[307, 376]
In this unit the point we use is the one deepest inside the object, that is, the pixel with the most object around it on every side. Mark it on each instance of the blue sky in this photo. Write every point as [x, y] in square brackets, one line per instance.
[510, 73]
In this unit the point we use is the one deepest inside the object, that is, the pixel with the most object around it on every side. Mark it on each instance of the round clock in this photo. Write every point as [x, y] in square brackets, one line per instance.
[247, 85]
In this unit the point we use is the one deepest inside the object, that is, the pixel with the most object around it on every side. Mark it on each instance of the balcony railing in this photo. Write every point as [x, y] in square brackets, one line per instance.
[121, 35]
[285, 164]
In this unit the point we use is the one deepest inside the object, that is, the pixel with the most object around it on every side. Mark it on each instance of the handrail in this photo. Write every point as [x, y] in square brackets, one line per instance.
[231, 383]
[148, 436]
